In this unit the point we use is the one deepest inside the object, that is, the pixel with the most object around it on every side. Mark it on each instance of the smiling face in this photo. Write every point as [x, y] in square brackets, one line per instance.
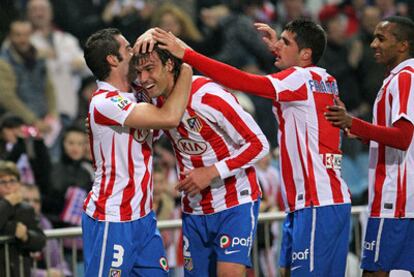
[386, 45]
[287, 51]
[155, 77]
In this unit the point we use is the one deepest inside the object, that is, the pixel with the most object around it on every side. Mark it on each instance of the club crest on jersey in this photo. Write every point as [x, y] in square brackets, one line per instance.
[164, 263]
[188, 263]
[115, 272]
[140, 135]
[121, 102]
[191, 147]
[195, 124]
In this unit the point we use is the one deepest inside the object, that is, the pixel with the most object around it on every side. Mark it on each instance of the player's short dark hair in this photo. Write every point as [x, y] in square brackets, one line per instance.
[164, 56]
[404, 30]
[308, 34]
[98, 46]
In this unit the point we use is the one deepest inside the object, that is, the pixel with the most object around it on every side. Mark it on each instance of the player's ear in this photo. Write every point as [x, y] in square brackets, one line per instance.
[306, 54]
[169, 65]
[112, 60]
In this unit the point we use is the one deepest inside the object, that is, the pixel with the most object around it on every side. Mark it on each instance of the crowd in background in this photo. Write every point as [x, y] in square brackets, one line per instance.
[45, 87]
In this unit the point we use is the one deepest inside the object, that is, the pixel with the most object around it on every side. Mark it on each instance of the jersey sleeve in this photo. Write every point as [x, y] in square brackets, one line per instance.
[112, 109]
[222, 107]
[402, 93]
[289, 85]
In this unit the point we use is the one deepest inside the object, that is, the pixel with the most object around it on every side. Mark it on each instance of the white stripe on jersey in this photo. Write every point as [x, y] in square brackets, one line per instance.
[306, 138]
[391, 175]
[122, 189]
[216, 130]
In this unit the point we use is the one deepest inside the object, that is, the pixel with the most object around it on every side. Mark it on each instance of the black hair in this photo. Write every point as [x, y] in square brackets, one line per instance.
[98, 46]
[308, 34]
[404, 30]
[10, 120]
[164, 56]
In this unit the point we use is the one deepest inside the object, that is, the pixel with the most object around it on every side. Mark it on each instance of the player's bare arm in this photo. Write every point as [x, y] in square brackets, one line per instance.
[148, 116]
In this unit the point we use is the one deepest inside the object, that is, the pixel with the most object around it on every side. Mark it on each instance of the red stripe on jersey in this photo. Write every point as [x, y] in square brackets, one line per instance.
[401, 193]
[127, 107]
[100, 208]
[293, 95]
[380, 169]
[146, 153]
[88, 198]
[90, 137]
[103, 120]
[185, 201]
[238, 123]
[337, 195]
[98, 92]
[197, 161]
[286, 165]
[254, 185]
[108, 191]
[328, 136]
[112, 94]
[404, 87]
[128, 193]
[283, 74]
[311, 176]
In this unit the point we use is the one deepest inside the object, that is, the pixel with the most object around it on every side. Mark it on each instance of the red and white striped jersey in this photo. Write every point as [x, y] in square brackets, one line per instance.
[122, 158]
[310, 155]
[391, 174]
[216, 130]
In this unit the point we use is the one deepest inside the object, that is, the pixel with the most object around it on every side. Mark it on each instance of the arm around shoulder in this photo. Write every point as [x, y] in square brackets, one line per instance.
[169, 115]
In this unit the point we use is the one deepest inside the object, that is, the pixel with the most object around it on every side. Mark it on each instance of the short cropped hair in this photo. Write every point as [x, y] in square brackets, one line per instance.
[308, 34]
[404, 30]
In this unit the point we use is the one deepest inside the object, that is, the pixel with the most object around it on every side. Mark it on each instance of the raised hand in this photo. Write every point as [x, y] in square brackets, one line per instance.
[145, 42]
[269, 35]
[170, 42]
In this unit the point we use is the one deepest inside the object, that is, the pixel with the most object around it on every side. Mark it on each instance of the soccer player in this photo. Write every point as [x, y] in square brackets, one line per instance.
[216, 145]
[316, 229]
[389, 238]
[119, 227]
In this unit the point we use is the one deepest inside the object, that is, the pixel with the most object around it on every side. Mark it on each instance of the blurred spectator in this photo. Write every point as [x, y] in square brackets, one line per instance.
[387, 7]
[49, 261]
[63, 55]
[25, 86]
[17, 220]
[87, 88]
[70, 180]
[8, 13]
[24, 146]
[241, 45]
[173, 19]
[132, 17]
[79, 17]
[370, 73]
[288, 10]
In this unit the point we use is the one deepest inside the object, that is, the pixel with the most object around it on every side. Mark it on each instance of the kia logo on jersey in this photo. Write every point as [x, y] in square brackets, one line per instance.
[191, 147]
[140, 135]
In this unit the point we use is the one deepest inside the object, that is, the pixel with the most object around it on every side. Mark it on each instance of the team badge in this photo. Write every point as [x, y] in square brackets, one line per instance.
[188, 263]
[195, 124]
[225, 241]
[115, 272]
[140, 135]
[164, 263]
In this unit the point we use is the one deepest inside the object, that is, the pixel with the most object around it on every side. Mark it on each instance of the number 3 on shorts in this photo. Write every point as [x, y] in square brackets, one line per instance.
[118, 256]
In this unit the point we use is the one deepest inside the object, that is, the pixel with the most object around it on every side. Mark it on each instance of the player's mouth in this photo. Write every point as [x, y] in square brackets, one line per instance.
[150, 86]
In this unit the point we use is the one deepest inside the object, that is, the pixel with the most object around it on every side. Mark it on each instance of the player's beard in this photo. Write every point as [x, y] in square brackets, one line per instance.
[132, 70]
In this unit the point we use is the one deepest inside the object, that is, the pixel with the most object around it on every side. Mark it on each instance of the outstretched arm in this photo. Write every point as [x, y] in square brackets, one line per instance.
[398, 136]
[222, 73]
